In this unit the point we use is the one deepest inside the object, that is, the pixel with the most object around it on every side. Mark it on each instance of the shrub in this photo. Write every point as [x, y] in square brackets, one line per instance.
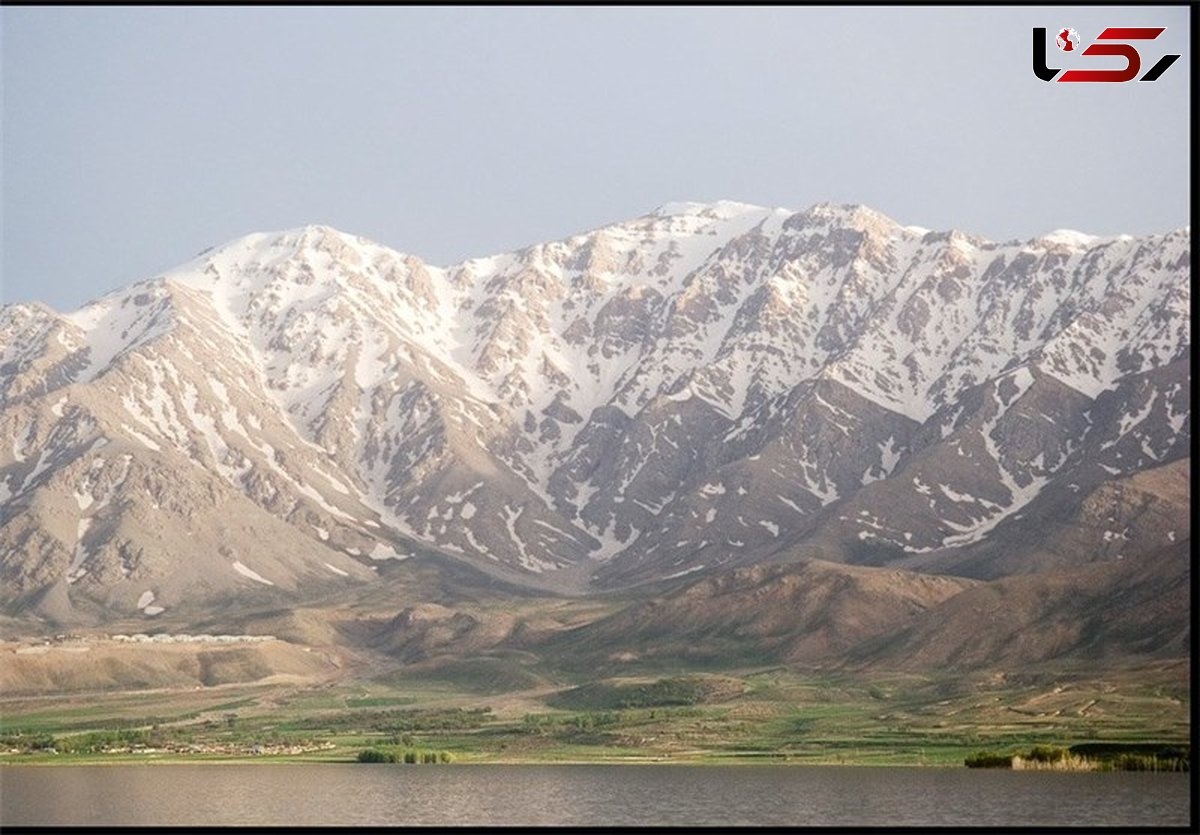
[988, 759]
[42, 743]
[410, 756]
[374, 755]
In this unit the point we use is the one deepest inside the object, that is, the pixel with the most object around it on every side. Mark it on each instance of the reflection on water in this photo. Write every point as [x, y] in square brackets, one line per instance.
[612, 795]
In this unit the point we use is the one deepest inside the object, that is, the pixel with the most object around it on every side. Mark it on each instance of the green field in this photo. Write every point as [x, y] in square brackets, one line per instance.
[756, 715]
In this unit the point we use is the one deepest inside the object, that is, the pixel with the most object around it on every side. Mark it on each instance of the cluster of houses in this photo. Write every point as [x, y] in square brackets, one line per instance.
[164, 638]
[237, 749]
[142, 638]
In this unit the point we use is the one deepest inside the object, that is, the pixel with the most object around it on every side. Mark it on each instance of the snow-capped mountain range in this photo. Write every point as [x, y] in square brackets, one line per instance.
[705, 385]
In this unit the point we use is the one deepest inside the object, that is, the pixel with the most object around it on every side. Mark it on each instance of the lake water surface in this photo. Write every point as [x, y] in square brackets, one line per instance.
[610, 795]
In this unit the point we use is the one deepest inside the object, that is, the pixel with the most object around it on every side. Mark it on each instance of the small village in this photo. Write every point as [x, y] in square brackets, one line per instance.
[68, 641]
[230, 749]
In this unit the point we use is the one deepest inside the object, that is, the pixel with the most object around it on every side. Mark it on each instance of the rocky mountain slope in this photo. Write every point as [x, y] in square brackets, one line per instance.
[703, 387]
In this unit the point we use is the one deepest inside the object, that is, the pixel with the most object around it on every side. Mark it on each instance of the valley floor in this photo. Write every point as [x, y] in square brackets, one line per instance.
[767, 714]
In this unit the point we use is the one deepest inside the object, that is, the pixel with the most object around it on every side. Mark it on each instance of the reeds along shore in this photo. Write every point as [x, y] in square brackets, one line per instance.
[1069, 763]
[1125, 762]
[1045, 758]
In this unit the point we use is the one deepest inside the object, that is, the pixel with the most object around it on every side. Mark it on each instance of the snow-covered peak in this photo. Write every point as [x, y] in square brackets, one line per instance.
[321, 236]
[1069, 238]
[497, 322]
[720, 210]
[23, 314]
[846, 215]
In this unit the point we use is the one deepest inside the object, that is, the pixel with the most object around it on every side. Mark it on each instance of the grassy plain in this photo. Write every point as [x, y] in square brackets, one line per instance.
[492, 711]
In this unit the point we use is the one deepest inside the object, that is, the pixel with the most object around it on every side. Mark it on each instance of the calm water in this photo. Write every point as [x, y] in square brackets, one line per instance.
[581, 795]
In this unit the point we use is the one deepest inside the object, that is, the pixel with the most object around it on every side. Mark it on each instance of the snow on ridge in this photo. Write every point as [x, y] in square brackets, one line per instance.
[722, 209]
[146, 605]
[386, 552]
[1069, 237]
[248, 572]
[112, 326]
[1019, 496]
[683, 572]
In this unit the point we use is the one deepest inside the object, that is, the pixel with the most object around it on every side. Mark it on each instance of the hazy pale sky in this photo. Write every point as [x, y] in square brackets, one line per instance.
[133, 138]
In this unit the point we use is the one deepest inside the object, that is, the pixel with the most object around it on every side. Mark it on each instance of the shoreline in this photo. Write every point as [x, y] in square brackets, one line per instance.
[646, 761]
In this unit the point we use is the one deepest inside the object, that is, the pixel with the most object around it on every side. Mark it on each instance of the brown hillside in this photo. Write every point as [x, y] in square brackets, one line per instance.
[802, 613]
